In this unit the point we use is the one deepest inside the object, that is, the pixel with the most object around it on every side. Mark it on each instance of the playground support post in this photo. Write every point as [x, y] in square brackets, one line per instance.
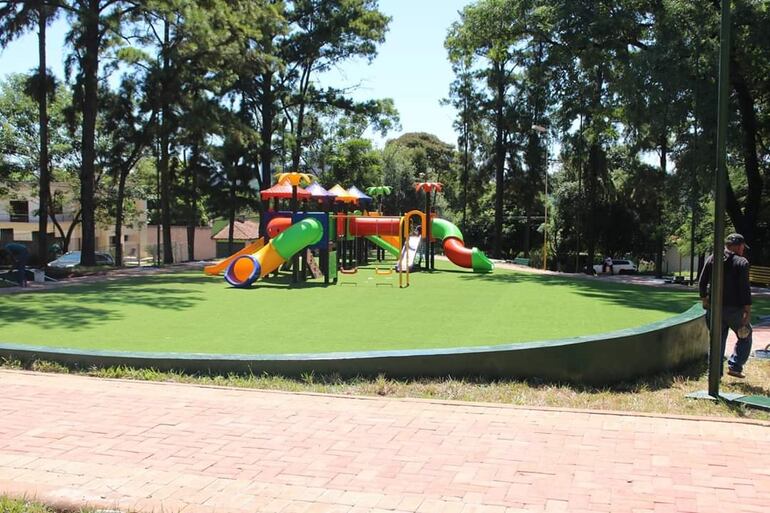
[295, 257]
[427, 231]
[717, 280]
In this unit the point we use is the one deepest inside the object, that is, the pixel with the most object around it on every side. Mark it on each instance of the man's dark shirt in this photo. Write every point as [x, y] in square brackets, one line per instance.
[17, 251]
[737, 291]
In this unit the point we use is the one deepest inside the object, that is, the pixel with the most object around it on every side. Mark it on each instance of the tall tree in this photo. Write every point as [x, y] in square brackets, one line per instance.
[485, 40]
[324, 33]
[94, 25]
[19, 143]
[128, 138]
[17, 18]
[466, 99]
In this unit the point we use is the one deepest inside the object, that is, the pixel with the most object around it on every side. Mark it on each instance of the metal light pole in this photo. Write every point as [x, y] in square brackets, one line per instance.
[545, 218]
[158, 214]
[717, 279]
[541, 130]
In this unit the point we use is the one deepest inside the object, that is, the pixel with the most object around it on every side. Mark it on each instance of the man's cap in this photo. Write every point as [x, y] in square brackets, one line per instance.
[736, 238]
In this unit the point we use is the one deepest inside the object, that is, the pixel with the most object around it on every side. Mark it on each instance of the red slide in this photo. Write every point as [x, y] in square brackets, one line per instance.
[457, 253]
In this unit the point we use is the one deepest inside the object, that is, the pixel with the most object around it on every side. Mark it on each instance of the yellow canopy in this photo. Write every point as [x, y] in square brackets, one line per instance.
[342, 195]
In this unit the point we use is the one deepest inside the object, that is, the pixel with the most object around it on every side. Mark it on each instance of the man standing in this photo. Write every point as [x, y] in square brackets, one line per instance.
[607, 265]
[736, 300]
[20, 255]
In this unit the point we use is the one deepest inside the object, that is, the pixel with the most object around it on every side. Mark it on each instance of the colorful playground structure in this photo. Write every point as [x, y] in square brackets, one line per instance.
[338, 237]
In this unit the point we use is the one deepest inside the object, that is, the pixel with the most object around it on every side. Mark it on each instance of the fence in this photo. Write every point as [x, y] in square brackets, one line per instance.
[138, 254]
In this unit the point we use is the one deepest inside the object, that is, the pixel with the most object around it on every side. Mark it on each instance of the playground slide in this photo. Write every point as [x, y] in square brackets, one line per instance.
[246, 269]
[393, 240]
[414, 246]
[379, 241]
[455, 250]
[221, 266]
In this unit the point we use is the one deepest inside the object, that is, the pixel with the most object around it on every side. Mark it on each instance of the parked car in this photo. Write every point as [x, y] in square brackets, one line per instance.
[72, 259]
[618, 267]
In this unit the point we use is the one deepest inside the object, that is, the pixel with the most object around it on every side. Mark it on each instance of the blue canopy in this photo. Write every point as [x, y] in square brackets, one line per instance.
[354, 191]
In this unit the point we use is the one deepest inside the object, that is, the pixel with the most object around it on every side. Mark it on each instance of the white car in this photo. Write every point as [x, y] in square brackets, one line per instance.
[72, 259]
[618, 267]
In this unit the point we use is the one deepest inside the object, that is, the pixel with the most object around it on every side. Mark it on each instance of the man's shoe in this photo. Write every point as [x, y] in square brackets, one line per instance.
[735, 373]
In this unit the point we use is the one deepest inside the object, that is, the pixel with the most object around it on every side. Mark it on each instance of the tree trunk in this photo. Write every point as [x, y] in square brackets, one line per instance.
[65, 237]
[163, 164]
[90, 70]
[527, 236]
[266, 133]
[595, 165]
[465, 164]
[70, 231]
[231, 230]
[659, 241]
[192, 203]
[746, 222]
[593, 172]
[296, 153]
[45, 179]
[499, 160]
[119, 218]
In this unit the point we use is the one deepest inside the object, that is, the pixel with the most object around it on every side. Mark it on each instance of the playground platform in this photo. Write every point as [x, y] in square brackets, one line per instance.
[142, 446]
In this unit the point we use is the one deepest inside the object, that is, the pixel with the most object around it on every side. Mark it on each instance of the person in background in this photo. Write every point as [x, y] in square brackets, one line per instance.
[607, 264]
[736, 300]
[20, 254]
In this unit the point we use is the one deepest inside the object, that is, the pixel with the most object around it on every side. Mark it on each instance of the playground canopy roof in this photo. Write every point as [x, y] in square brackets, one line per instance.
[283, 191]
[317, 191]
[342, 195]
[379, 190]
[429, 186]
[355, 191]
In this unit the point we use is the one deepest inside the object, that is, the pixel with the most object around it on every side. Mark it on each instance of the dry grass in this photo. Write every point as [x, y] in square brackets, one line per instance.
[661, 394]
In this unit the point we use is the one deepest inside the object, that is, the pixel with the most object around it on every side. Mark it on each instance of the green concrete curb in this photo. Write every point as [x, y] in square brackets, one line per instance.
[593, 360]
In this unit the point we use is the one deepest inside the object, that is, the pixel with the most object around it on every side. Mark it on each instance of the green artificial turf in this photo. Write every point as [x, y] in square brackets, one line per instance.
[190, 312]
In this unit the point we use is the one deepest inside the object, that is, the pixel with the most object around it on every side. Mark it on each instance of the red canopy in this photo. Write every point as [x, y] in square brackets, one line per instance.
[283, 191]
[428, 186]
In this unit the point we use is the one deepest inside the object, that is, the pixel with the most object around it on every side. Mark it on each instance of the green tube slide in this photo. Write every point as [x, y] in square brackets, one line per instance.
[298, 236]
[441, 229]
[480, 261]
[390, 248]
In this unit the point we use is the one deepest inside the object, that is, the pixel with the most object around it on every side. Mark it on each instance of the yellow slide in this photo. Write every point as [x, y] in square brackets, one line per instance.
[221, 266]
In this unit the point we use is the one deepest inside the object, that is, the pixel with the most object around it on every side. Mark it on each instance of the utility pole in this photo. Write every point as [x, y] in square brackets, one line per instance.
[717, 280]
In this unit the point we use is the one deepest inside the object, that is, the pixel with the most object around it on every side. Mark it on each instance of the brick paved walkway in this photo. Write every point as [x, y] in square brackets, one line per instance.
[169, 447]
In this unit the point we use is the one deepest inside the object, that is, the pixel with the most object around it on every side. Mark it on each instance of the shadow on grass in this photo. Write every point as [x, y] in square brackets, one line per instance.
[86, 305]
[656, 382]
[746, 388]
[284, 281]
[629, 295]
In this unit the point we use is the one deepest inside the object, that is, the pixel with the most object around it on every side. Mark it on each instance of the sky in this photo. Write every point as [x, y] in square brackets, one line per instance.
[411, 66]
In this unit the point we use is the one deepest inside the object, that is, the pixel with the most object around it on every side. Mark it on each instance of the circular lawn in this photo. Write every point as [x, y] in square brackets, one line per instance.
[187, 312]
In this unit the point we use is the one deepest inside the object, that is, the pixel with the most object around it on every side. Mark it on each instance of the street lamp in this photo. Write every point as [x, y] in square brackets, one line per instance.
[541, 130]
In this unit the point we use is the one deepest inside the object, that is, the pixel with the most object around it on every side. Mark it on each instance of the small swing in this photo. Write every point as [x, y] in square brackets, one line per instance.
[348, 271]
[380, 271]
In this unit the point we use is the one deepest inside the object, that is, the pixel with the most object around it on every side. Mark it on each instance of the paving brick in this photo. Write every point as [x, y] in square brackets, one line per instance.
[71, 439]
